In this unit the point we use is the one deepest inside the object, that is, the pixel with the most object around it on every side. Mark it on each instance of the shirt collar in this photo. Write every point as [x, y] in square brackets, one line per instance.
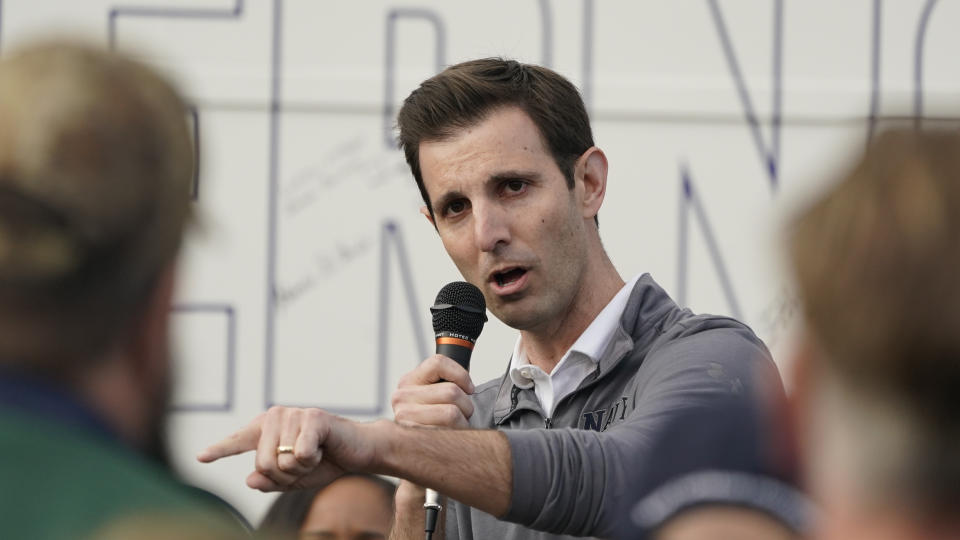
[517, 361]
[594, 340]
[591, 343]
[33, 395]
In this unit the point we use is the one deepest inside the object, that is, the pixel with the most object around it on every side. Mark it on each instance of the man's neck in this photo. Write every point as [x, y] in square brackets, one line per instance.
[110, 388]
[544, 346]
[40, 396]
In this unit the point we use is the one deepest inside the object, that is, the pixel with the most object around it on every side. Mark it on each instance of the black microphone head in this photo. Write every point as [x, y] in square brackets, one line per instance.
[459, 309]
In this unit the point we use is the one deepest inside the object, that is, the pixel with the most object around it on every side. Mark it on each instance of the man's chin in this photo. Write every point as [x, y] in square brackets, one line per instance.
[516, 317]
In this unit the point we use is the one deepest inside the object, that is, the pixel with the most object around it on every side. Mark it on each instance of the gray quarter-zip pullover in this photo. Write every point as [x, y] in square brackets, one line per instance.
[571, 472]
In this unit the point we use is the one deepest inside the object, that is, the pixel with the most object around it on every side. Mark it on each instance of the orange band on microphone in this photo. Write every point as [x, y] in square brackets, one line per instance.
[445, 340]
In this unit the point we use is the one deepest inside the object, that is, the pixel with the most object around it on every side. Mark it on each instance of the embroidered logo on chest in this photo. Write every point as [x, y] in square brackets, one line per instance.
[601, 419]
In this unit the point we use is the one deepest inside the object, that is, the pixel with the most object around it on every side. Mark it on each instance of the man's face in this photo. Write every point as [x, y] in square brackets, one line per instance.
[507, 218]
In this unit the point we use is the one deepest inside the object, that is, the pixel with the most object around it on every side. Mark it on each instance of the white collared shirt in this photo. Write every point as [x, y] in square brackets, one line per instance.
[579, 362]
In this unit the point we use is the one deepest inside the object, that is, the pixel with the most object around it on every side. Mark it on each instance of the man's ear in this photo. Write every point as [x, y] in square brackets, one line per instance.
[426, 213]
[591, 173]
[149, 340]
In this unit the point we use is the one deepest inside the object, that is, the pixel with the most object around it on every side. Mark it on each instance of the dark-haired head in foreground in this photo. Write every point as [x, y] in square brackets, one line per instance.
[720, 472]
[355, 506]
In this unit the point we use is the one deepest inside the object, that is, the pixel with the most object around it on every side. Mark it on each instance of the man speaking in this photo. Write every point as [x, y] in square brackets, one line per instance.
[504, 158]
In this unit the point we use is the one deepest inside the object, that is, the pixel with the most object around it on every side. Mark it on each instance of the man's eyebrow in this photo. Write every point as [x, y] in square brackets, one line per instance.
[517, 174]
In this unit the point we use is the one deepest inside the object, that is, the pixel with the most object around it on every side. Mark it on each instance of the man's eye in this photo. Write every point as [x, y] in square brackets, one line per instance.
[455, 208]
[515, 185]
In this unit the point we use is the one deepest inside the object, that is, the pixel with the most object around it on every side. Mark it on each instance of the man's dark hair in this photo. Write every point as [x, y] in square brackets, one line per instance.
[464, 94]
[288, 511]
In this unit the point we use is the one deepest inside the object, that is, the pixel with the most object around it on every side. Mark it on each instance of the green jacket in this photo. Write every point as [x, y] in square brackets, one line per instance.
[59, 481]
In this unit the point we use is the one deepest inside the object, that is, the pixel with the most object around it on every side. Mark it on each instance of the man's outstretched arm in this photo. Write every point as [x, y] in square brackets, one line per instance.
[471, 466]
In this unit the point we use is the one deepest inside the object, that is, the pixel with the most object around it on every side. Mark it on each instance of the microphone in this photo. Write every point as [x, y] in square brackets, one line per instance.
[458, 316]
[459, 312]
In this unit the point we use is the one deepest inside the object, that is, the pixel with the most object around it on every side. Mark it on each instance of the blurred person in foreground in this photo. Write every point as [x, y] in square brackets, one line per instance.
[876, 261]
[352, 507]
[96, 167]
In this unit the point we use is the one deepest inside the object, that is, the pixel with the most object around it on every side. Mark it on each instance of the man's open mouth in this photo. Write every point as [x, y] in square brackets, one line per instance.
[508, 276]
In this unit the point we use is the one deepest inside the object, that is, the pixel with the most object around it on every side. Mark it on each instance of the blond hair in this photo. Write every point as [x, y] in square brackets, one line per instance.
[877, 264]
[96, 168]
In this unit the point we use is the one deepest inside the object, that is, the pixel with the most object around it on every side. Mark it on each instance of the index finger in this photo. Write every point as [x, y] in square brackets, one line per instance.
[241, 441]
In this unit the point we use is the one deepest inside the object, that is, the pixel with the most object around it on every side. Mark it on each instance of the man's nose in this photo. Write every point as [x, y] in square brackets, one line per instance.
[492, 227]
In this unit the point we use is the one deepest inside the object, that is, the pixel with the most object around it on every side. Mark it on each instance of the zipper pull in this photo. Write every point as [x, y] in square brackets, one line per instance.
[514, 400]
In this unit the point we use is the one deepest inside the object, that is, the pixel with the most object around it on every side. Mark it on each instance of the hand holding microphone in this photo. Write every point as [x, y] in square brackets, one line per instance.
[437, 392]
